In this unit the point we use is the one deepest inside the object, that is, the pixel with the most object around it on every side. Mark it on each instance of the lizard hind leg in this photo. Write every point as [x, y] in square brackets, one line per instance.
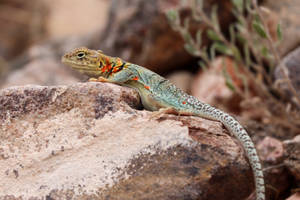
[170, 110]
[162, 111]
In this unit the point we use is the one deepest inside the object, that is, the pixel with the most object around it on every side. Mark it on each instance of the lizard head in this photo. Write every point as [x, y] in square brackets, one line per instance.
[87, 61]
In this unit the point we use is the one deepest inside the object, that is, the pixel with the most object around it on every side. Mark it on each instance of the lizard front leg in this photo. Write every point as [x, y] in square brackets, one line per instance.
[117, 78]
[99, 79]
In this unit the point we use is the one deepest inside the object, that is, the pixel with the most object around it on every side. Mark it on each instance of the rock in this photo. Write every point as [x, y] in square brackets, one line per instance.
[89, 141]
[22, 23]
[41, 64]
[292, 154]
[182, 80]
[271, 150]
[272, 155]
[210, 85]
[52, 73]
[288, 14]
[139, 32]
[295, 196]
[292, 64]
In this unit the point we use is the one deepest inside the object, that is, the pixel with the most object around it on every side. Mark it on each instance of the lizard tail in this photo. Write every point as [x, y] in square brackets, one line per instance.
[240, 133]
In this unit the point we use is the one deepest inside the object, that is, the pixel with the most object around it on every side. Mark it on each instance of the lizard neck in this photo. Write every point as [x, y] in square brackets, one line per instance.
[112, 65]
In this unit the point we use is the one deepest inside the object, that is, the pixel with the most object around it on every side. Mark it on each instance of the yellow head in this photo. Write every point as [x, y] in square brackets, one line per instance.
[87, 61]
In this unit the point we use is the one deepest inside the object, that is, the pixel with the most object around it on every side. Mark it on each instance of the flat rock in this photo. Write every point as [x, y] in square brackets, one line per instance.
[92, 141]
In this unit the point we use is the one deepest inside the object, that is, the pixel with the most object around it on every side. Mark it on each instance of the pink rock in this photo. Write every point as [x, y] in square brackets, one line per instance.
[271, 150]
[295, 196]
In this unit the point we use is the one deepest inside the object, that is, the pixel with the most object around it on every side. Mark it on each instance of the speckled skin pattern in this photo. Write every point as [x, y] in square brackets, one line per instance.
[159, 94]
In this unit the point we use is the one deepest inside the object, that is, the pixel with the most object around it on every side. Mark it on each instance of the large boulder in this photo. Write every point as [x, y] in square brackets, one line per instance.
[92, 141]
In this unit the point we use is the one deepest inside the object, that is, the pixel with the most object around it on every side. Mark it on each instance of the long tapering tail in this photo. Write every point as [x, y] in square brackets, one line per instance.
[240, 133]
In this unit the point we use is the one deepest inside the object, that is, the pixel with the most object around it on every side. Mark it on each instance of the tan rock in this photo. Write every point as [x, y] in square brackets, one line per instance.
[89, 141]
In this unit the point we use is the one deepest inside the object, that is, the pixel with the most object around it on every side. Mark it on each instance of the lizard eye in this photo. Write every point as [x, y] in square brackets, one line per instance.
[81, 55]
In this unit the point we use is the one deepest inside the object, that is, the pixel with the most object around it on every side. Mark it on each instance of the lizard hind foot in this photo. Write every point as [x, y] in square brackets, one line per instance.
[158, 114]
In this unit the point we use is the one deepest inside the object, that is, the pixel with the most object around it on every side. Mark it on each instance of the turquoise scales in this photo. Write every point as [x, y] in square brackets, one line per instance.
[157, 93]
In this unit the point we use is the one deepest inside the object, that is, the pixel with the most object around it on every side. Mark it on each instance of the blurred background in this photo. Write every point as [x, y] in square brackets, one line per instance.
[35, 34]
[232, 59]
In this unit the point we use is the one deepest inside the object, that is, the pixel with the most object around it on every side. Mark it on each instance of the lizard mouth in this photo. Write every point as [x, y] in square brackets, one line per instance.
[76, 65]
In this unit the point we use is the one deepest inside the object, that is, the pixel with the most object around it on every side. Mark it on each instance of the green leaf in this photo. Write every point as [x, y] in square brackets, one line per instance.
[228, 80]
[214, 17]
[236, 53]
[187, 36]
[265, 51]
[248, 4]
[199, 37]
[238, 4]
[186, 23]
[259, 29]
[230, 85]
[213, 35]
[202, 65]
[172, 15]
[199, 4]
[279, 32]
[232, 33]
[241, 38]
[212, 52]
[222, 48]
[190, 48]
[247, 54]
[204, 54]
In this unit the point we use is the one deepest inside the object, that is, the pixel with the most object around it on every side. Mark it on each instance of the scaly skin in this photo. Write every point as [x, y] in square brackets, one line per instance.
[159, 94]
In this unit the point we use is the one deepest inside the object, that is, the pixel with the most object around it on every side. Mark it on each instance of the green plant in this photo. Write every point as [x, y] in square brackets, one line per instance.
[250, 45]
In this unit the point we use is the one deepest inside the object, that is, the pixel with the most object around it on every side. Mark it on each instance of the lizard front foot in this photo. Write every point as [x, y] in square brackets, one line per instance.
[99, 79]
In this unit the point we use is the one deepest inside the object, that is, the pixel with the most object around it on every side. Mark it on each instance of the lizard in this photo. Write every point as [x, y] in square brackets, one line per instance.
[161, 96]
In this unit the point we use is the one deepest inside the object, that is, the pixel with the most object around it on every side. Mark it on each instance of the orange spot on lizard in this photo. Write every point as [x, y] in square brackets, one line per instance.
[183, 102]
[103, 68]
[135, 78]
[147, 87]
[116, 69]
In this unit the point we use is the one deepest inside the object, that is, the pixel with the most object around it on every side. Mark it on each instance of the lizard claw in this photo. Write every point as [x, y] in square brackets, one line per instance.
[93, 80]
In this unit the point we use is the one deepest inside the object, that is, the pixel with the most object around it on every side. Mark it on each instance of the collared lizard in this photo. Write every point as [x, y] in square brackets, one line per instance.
[159, 94]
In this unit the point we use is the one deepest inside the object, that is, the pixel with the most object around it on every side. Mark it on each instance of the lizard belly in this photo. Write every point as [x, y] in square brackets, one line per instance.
[150, 102]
